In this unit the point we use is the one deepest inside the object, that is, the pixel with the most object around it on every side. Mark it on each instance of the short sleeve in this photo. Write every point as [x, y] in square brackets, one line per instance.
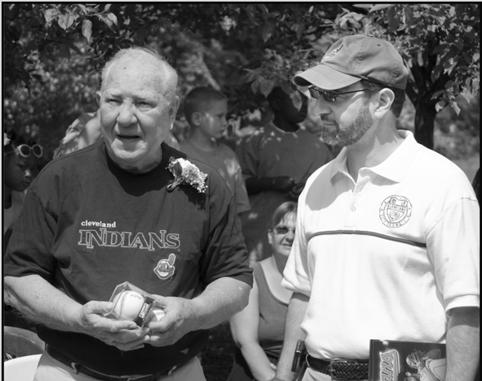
[453, 246]
[28, 249]
[225, 254]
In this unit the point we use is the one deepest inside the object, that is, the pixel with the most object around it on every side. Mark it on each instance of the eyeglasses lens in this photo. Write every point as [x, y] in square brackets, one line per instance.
[25, 150]
[317, 93]
[37, 150]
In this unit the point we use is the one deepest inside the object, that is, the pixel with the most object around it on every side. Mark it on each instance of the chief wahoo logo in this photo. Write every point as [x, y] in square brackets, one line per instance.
[165, 267]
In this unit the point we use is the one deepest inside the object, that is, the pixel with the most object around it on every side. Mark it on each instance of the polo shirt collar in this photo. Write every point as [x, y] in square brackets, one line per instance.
[397, 164]
[393, 167]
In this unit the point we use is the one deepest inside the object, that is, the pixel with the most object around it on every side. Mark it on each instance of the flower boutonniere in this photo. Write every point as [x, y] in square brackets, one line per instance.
[186, 172]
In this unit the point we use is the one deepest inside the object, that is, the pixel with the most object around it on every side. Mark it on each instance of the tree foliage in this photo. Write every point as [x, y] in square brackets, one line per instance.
[440, 45]
[55, 51]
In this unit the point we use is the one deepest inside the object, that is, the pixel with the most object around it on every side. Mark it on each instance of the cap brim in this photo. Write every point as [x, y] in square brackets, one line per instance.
[325, 78]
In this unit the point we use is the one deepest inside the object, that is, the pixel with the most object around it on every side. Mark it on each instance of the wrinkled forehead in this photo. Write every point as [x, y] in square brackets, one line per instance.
[143, 70]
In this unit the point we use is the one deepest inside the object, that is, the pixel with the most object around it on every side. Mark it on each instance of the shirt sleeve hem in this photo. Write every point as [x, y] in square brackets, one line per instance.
[463, 301]
[246, 277]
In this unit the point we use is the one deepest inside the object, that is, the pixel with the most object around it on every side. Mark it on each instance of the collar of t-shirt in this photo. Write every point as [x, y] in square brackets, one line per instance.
[167, 153]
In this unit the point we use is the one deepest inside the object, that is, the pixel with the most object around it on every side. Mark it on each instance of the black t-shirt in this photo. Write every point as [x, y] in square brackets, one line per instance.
[87, 226]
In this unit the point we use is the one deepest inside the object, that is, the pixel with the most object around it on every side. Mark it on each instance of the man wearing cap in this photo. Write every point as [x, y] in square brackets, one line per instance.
[387, 235]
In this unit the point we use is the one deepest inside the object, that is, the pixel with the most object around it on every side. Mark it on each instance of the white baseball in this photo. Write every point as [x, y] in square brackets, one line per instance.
[128, 304]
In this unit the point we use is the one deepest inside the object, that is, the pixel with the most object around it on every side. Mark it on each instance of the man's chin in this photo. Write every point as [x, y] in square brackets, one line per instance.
[126, 155]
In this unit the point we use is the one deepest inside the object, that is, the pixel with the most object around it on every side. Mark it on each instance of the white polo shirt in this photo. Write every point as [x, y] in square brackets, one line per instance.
[387, 256]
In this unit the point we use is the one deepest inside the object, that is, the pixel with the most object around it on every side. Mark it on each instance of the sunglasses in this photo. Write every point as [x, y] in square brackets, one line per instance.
[329, 96]
[25, 150]
[283, 230]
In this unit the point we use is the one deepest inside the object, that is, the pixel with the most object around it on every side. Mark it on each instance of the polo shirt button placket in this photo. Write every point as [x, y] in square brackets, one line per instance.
[353, 206]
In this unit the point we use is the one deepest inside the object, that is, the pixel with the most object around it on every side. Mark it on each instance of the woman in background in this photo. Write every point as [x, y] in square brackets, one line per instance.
[258, 329]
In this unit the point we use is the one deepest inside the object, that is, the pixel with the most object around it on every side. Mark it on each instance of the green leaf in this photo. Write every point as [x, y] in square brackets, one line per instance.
[112, 17]
[379, 7]
[255, 86]
[83, 8]
[408, 16]
[440, 105]
[420, 58]
[452, 12]
[267, 31]
[87, 30]
[66, 20]
[363, 6]
[455, 107]
[105, 20]
[265, 86]
[50, 15]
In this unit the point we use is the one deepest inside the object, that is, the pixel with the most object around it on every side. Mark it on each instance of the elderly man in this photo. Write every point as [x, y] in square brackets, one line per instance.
[115, 212]
[387, 236]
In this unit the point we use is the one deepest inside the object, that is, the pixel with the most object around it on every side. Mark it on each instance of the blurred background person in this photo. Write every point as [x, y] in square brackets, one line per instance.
[276, 161]
[259, 328]
[21, 163]
[205, 110]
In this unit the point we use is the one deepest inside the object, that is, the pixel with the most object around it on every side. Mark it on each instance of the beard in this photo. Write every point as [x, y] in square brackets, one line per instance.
[332, 134]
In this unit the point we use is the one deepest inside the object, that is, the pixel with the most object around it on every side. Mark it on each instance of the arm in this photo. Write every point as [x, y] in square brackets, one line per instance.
[463, 344]
[293, 333]
[41, 302]
[244, 328]
[217, 303]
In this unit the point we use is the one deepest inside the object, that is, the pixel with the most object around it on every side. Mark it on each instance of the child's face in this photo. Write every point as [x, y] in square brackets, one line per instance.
[213, 120]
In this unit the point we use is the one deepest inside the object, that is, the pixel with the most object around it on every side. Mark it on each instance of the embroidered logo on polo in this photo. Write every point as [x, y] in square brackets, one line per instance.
[395, 211]
[165, 267]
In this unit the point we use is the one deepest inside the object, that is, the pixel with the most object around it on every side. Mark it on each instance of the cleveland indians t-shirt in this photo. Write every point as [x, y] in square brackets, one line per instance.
[87, 225]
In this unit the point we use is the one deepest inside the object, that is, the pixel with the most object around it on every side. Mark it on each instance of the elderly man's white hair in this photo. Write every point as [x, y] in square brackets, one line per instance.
[166, 72]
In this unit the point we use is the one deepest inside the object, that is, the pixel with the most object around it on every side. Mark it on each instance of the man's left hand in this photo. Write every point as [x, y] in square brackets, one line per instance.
[176, 322]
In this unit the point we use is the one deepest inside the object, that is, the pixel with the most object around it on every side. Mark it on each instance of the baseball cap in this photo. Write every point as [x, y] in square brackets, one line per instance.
[353, 58]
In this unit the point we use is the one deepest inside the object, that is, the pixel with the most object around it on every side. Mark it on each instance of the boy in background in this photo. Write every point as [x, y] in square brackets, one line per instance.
[205, 110]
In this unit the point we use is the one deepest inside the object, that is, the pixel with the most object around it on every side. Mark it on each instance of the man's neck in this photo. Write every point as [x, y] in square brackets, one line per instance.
[372, 149]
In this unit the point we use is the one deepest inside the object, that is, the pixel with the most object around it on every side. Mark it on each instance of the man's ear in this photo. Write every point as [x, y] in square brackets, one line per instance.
[196, 118]
[385, 100]
[176, 101]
